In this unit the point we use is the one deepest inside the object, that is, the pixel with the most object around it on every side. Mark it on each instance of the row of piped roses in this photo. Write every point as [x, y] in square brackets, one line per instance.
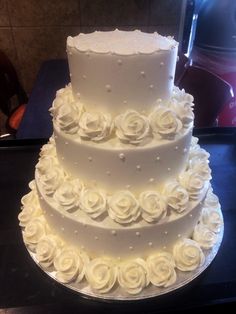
[131, 127]
[73, 265]
[122, 206]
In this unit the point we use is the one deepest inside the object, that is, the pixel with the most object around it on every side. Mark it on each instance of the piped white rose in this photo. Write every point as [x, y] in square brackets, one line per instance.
[183, 111]
[123, 207]
[193, 183]
[132, 127]
[177, 197]
[164, 123]
[101, 274]
[93, 202]
[51, 180]
[212, 219]
[34, 230]
[161, 268]
[204, 236]
[95, 126]
[47, 249]
[133, 275]
[153, 206]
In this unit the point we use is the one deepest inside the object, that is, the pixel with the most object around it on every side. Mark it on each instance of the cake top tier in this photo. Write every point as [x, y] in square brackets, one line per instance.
[121, 42]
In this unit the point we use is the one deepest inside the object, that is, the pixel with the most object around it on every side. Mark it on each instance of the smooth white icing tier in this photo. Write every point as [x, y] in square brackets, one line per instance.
[134, 74]
[111, 239]
[115, 167]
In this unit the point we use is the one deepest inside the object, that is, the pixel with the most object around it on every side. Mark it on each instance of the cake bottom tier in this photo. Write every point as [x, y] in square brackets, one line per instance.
[106, 275]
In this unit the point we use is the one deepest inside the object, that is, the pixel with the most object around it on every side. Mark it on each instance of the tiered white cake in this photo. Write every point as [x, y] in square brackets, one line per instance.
[121, 199]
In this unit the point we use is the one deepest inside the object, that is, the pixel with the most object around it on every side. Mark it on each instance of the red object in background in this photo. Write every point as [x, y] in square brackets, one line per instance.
[223, 65]
[16, 117]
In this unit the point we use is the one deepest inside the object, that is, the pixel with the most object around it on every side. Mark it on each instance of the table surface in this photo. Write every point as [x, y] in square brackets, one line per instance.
[37, 121]
[25, 288]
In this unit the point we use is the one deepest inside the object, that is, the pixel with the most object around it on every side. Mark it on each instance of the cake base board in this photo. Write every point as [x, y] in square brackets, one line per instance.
[183, 278]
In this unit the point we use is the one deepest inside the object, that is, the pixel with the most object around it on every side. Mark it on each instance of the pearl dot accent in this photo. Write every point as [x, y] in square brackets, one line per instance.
[75, 163]
[151, 180]
[41, 197]
[169, 169]
[142, 73]
[62, 216]
[179, 235]
[108, 173]
[78, 95]
[119, 61]
[62, 158]
[76, 232]
[96, 238]
[151, 86]
[176, 147]
[84, 77]
[51, 215]
[138, 167]
[162, 64]
[66, 143]
[166, 232]
[62, 229]
[125, 102]
[113, 232]
[122, 156]
[128, 186]
[90, 158]
[190, 215]
[87, 54]
[131, 248]
[158, 158]
[108, 87]
[70, 53]
[164, 247]
[137, 234]
[70, 74]
[150, 244]
[185, 150]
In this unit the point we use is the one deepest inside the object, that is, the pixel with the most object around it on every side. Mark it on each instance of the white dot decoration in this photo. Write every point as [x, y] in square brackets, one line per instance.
[62, 229]
[151, 86]
[142, 73]
[179, 235]
[70, 74]
[119, 61]
[90, 158]
[70, 53]
[108, 87]
[87, 54]
[131, 248]
[176, 147]
[84, 77]
[137, 234]
[96, 238]
[62, 216]
[169, 169]
[158, 158]
[75, 163]
[82, 247]
[166, 232]
[78, 95]
[162, 64]
[128, 186]
[185, 150]
[66, 143]
[138, 167]
[51, 215]
[164, 247]
[76, 232]
[62, 158]
[190, 215]
[55, 136]
[151, 180]
[113, 232]
[108, 173]
[150, 243]
[41, 197]
[125, 102]
[122, 156]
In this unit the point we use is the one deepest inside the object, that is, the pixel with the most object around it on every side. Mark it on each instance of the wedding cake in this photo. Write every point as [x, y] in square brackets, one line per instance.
[121, 201]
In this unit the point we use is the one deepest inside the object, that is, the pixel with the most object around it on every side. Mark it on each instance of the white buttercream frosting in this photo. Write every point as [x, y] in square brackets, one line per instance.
[164, 122]
[47, 249]
[123, 207]
[121, 42]
[183, 111]
[101, 273]
[30, 199]
[132, 127]
[95, 126]
[161, 267]
[93, 202]
[193, 182]
[28, 212]
[201, 166]
[34, 230]
[177, 197]
[153, 206]
[69, 265]
[133, 275]
[188, 255]
[68, 194]
[204, 236]
[211, 200]
[212, 219]
[52, 179]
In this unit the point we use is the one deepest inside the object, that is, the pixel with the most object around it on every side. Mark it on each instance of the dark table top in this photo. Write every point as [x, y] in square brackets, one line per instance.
[37, 121]
[25, 288]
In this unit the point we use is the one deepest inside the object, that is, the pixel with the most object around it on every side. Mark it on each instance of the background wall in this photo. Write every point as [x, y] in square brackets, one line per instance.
[32, 31]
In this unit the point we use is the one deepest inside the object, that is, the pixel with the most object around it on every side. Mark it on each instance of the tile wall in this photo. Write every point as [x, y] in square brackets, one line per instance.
[32, 31]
